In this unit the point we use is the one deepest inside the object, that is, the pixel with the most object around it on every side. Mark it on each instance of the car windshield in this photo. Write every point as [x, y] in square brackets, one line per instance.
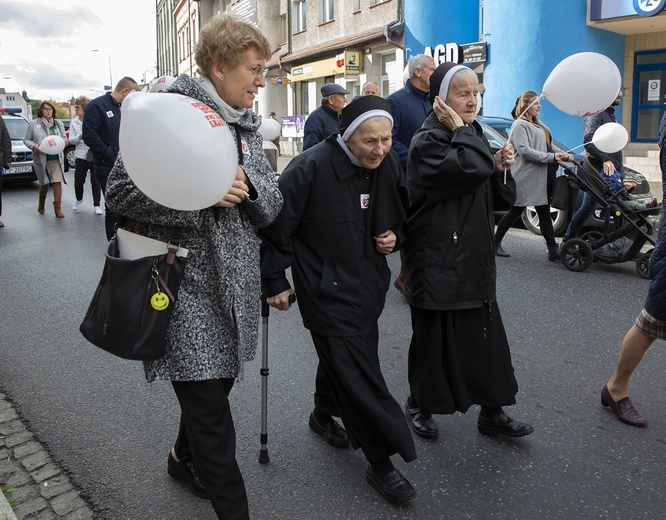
[17, 127]
[504, 127]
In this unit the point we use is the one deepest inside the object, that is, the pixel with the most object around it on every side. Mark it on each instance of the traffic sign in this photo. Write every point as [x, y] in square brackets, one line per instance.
[280, 81]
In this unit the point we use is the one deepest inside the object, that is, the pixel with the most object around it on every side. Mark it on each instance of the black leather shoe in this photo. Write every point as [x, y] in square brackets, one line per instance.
[334, 434]
[503, 425]
[421, 422]
[184, 470]
[499, 251]
[393, 487]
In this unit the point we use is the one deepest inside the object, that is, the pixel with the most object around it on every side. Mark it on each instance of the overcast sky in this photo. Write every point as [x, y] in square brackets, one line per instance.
[46, 45]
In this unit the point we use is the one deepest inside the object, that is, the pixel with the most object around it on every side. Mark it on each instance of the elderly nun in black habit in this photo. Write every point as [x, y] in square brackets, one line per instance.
[459, 354]
[342, 214]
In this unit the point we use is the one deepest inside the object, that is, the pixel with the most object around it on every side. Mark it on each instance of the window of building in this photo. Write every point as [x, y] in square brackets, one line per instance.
[649, 95]
[299, 16]
[283, 28]
[326, 10]
[357, 5]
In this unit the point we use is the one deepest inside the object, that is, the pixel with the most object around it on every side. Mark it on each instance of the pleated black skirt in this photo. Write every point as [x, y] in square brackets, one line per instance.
[460, 358]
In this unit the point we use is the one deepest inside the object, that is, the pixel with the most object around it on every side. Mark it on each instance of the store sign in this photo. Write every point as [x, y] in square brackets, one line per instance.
[654, 87]
[452, 52]
[280, 81]
[609, 9]
[352, 63]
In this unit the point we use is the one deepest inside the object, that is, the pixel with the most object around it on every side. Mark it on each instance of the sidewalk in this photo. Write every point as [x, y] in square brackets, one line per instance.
[39, 489]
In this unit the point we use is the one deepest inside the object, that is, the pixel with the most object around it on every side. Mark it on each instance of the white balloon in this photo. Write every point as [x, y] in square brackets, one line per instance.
[52, 144]
[177, 150]
[583, 84]
[269, 129]
[162, 83]
[610, 137]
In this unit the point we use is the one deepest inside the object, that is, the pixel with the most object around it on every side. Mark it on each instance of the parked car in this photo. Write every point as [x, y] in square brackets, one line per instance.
[496, 130]
[22, 168]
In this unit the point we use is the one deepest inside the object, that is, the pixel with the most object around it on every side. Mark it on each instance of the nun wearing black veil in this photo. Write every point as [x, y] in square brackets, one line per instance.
[459, 354]
[342, 214]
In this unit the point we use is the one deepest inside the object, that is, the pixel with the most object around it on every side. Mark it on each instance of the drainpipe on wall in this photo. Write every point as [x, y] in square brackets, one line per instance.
[289, 40]
[396, 25]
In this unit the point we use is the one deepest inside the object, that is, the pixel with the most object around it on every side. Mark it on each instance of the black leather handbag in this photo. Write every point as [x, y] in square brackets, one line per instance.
[132, 305]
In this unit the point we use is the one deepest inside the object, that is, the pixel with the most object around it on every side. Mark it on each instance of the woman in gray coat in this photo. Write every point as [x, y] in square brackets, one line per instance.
[531, 140]
[48, 167]
[214, 326]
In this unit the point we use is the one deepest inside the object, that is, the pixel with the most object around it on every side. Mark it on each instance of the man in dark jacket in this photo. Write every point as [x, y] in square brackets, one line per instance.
[410, 106]
[5, 156]
[342, 215]
[101, 129]
[611, 162]
[325, 120]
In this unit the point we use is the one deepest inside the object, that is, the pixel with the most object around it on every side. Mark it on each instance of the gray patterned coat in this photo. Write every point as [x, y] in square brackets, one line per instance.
[214, 326]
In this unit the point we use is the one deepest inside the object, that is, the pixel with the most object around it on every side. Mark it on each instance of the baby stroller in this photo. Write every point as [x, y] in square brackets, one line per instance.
[625, 230]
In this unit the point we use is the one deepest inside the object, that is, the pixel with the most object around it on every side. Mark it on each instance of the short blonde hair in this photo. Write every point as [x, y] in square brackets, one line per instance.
[81, 101]
[226, 38]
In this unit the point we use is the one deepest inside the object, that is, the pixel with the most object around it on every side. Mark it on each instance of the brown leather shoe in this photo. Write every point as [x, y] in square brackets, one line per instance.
[399, 284]
[623, 409]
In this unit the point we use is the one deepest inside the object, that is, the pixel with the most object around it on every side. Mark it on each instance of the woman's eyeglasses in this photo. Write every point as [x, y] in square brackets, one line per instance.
[258, 70]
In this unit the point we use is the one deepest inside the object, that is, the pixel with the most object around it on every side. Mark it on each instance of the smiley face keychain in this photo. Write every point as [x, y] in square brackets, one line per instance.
[160, 300]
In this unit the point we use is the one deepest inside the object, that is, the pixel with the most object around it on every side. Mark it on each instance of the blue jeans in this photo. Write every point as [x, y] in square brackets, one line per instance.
[580, 217]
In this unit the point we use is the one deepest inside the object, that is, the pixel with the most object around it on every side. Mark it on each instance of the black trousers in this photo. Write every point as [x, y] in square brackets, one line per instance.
[373, 419]
[208, 437]
[80, 173]
[110, 218]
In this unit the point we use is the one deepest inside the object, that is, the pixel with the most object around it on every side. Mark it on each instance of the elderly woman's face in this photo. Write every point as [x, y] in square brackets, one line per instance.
[462, 97]
[242, 83]
[371, 142]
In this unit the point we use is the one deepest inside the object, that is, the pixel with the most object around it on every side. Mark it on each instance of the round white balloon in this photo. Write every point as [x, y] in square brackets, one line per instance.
[269, 129]
[177, 150]
[610, 137]
[583, 84]
[52, 144]
[162, 83]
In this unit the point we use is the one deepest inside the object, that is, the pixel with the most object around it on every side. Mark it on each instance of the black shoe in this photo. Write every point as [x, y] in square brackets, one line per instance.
[503, 425]
[553, 253]
[393, 487]
[421, 422]
[184, 470]
[499, 251]
[334, 434]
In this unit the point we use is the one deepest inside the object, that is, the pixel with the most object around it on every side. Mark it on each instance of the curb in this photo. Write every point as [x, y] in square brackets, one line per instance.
[40, 488]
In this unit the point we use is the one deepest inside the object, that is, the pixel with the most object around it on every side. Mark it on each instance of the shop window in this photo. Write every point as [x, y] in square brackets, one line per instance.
[390, 74]
[649, 95]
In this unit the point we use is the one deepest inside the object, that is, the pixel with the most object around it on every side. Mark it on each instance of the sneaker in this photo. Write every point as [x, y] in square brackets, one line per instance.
[98, 211]
[77, 205]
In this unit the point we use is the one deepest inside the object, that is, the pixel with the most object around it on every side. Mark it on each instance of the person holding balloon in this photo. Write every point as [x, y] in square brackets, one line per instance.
[48, 163]
[611, 164]
[532, 141]
[214, 326]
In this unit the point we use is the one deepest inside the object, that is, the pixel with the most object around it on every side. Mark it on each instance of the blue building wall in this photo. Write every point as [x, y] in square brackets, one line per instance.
[526, 40]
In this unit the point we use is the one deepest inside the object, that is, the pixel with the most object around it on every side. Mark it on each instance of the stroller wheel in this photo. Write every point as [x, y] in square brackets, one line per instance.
[592, 236]
[643, 263]
[576, 255]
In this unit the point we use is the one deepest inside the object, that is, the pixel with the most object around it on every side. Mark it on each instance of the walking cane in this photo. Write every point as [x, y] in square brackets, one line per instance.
[263, 435]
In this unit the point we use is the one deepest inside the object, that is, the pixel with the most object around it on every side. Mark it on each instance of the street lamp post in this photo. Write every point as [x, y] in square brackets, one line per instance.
[108, 54]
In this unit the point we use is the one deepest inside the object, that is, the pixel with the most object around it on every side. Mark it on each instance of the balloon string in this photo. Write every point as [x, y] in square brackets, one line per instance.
[575, 147]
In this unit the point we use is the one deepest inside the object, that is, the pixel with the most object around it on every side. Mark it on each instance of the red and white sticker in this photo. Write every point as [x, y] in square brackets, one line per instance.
[365, 200]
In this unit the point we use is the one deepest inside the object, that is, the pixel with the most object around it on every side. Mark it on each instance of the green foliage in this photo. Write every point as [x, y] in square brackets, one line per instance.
[7, 491]
[61, 113]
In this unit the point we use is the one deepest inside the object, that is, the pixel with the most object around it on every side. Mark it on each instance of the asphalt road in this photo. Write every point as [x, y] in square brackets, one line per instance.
[111, 431]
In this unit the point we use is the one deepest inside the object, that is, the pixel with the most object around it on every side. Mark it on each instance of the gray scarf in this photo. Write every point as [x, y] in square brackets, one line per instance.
[229, 114]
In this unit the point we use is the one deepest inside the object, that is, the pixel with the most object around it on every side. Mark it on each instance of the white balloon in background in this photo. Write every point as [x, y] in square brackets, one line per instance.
[177, 150]
[52, 144]
[269, 129]
[583, 84]
[610, 137]
[162, 83]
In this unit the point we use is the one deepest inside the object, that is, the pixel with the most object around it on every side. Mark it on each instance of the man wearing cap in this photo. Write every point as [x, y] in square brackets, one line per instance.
[342, 214]
[325, 120]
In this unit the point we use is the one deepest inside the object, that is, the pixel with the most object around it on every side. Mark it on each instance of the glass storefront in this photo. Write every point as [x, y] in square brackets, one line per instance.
[649, 95]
